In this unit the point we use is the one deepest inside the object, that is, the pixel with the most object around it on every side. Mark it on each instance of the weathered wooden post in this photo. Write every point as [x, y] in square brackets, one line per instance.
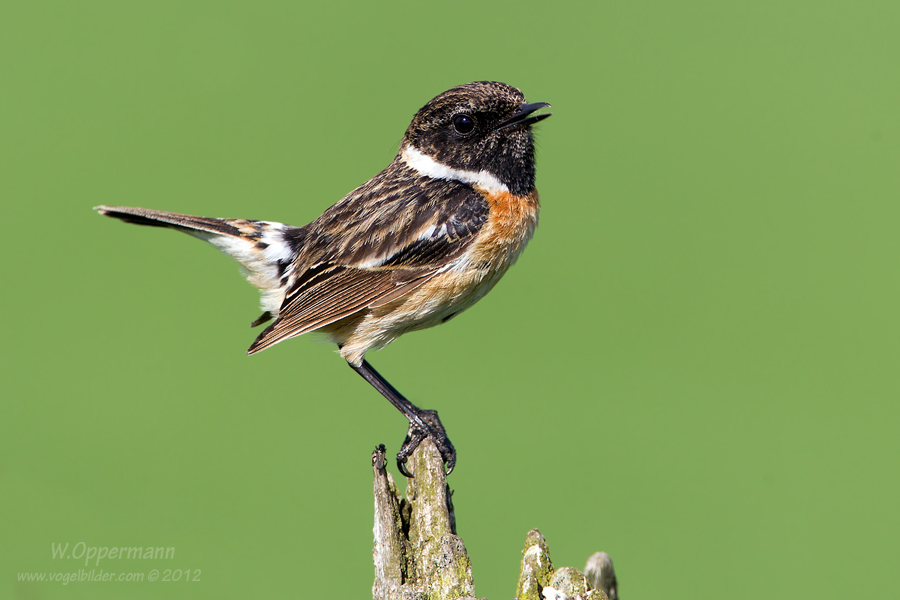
[418, 555]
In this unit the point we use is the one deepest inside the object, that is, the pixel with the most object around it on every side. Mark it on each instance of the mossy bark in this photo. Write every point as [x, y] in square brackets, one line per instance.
[418, 555]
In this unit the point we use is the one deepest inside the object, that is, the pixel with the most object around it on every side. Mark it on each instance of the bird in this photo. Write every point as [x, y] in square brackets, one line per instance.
[411, 248]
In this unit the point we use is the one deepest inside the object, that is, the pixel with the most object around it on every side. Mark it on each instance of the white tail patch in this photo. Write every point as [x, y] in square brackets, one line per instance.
[259, 262]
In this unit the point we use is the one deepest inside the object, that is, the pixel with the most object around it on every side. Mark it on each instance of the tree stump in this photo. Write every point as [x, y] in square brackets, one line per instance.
[418, 555]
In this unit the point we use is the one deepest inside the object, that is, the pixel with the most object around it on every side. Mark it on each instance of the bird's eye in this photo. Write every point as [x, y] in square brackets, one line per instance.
[463, 124]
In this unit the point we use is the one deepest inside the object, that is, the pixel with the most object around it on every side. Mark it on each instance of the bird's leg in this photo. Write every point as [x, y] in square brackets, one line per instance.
[422, 423]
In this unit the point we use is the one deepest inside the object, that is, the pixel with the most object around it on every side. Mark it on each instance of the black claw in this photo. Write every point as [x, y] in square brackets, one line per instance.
[414, 437]
[445, 447]
[430, 427]
[401, 466]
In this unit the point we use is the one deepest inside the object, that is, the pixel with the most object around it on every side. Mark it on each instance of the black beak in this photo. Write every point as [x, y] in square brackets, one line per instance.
[520, 117]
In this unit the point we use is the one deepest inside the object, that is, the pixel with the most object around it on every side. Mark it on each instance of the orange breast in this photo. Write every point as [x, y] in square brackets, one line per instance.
[510, 225]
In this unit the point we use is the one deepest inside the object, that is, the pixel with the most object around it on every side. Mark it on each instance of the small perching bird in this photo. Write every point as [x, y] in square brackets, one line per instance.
[411, 248]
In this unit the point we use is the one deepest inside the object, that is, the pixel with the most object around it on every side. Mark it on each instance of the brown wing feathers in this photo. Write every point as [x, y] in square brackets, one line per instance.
[368, 257]
[345, 292]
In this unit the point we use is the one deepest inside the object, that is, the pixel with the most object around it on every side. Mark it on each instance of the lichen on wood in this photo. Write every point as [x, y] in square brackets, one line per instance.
[418, 555]
[539, 580]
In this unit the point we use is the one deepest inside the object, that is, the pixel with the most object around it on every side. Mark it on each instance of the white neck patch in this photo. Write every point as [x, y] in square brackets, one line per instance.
[428, 167]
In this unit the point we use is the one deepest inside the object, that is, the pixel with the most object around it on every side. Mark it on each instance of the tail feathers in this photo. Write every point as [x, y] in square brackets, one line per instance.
[160, 218]
[264, 248]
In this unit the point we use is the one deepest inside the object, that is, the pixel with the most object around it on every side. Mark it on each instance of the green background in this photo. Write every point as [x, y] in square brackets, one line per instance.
[693, 367]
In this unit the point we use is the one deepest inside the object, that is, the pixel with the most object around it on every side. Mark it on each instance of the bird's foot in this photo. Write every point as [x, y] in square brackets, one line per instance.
[434, 429]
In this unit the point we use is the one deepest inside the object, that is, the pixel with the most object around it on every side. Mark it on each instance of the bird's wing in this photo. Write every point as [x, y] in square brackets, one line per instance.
[365, 254]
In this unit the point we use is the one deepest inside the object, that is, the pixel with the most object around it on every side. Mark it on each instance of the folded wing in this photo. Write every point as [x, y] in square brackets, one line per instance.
[360, 258]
